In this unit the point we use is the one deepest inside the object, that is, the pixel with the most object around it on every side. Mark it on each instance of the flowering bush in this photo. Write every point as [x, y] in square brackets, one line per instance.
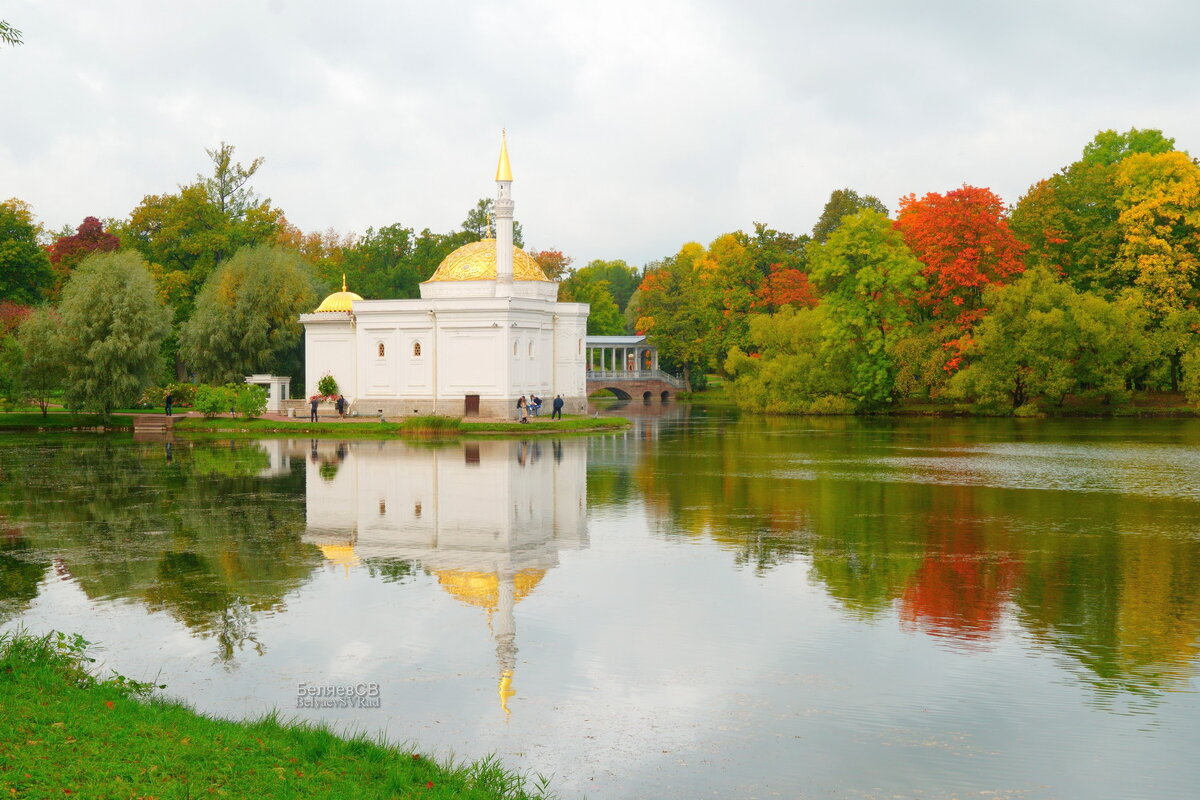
[327, 386]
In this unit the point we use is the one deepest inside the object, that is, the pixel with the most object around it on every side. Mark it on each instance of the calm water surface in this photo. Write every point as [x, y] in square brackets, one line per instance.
[703, 606]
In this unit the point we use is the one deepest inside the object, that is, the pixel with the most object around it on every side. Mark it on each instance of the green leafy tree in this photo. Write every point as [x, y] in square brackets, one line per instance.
[246, 317]
[1191, 376]
[604, 318]
[672, 309]
[771, 250]
[1044, 339]
[1070, 220]
[113, 324]
[731, 284]
[792, 371]
[867, 278]
[25, 273]
[43, 366]
[480, 223]
[841, 204]
[380, 264]
[622, 279]
[12, 361]
[227, 186]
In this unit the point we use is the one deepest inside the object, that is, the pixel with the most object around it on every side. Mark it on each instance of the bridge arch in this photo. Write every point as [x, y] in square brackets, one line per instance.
[619, 392]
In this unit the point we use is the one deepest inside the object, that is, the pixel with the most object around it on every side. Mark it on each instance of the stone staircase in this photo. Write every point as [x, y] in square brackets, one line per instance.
[153, 423]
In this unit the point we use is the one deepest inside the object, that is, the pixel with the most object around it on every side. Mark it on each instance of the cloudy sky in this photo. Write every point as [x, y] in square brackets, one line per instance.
[633, 126]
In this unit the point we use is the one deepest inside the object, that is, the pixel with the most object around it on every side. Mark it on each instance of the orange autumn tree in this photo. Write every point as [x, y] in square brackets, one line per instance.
[784, 286]
[963, 239]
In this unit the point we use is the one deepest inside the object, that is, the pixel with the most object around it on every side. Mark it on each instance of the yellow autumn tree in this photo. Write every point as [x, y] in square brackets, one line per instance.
[1160, 249]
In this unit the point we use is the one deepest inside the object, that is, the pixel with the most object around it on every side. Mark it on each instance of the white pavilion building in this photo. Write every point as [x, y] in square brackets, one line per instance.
[487, 329]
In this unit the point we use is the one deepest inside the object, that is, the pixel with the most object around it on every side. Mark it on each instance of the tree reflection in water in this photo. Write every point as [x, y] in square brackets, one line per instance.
[888, 526]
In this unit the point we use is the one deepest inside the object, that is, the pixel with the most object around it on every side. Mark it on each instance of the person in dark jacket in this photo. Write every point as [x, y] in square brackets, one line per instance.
[558, 405]
[169, 400]
[313, 403]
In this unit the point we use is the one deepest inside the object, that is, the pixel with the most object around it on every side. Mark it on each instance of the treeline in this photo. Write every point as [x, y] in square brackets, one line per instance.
[206, 284]
[1084, 292]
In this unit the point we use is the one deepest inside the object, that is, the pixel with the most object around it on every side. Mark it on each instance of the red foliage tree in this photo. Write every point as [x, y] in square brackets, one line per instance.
[66, 253]
[784, 286]
[963, 239]
[552, 262]
[11, 316]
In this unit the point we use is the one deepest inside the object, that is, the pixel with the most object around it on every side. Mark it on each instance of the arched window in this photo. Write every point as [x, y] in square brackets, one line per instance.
[579, 347]
[516, 344]
[416, 349]
[531, 348]
[381, 349]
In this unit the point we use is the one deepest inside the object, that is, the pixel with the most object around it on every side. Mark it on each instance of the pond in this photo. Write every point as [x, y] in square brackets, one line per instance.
[701, 606]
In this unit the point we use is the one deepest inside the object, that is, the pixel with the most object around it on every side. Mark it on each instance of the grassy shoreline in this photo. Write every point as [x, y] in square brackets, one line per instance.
[413, 426]
[367, 428]
[67, 733]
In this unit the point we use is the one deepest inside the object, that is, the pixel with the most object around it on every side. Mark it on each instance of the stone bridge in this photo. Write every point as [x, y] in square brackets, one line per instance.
[638, 384]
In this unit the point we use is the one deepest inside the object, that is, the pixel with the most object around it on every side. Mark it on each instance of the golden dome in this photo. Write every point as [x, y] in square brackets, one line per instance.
[477, 262]
[482, 589]
[339, 301]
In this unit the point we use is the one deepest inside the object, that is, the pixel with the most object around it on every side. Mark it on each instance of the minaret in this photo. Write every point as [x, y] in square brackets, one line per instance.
[504, 223]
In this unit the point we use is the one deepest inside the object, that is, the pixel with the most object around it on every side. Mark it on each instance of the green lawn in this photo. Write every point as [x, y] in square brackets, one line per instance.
[66, 733]
[63, 420]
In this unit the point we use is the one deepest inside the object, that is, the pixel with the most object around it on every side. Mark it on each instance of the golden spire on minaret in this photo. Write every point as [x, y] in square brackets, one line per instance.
[503, 170]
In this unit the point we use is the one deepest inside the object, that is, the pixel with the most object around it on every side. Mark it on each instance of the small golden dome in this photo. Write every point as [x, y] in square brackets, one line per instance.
[339, 301]
[477, 262]
[482, 589]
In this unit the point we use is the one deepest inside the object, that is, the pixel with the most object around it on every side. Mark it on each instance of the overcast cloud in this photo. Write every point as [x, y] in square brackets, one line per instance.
[633, 126]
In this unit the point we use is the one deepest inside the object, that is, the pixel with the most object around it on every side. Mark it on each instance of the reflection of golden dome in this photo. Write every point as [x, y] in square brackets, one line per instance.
[339, 301]
[340, 554]
[477, 262]
[482, 589]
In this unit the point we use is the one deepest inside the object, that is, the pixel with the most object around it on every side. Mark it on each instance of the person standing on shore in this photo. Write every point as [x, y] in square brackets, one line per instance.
[168, 401]
[522, 410]
[558, 405]
[313, 403]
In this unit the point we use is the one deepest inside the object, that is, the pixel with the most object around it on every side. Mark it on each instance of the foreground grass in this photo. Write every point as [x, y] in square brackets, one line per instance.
[415, 426]
[67, 733]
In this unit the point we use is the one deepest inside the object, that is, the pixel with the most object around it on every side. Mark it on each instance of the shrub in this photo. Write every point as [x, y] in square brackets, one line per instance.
[213, 400]
[183, 394]
[251, 400]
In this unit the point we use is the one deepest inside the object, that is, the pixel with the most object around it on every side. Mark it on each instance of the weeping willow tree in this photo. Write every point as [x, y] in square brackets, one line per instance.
[246, 317]
[113, 324]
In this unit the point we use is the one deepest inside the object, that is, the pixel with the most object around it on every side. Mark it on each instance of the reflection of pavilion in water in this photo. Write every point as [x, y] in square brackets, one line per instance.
[487, 518]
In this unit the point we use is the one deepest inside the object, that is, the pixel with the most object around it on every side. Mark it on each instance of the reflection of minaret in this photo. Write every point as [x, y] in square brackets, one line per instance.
[504, 223]
[504, 629]
[488, 519]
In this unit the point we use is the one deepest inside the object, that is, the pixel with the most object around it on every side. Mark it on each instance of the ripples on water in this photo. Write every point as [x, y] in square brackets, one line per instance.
[697, 607]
